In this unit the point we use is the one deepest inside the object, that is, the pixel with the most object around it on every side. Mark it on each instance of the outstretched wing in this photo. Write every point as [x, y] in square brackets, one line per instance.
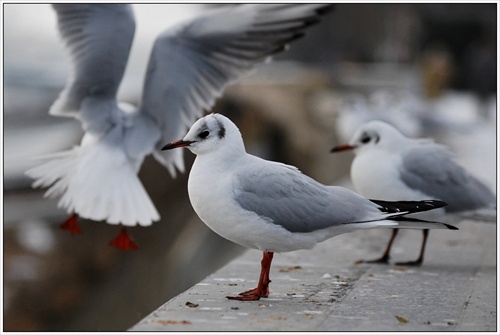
[191, 64]
[99, 37]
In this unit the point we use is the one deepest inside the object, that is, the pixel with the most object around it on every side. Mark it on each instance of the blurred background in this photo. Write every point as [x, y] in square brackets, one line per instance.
[430, 69]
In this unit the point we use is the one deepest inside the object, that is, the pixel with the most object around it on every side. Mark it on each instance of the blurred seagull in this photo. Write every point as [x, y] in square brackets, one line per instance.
[273, 207]
[388, 165]
[189, 67]
[402, 109]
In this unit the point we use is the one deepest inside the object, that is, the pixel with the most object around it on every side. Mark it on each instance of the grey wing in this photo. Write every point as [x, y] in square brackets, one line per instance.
[432, 169]
[99, 37]
[191, 64]
[298, 203]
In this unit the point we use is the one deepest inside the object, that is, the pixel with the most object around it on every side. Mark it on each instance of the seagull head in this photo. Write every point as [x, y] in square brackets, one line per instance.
[211, 133]
[371, 135]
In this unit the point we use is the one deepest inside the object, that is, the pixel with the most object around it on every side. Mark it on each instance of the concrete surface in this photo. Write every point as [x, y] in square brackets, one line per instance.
[325, 289]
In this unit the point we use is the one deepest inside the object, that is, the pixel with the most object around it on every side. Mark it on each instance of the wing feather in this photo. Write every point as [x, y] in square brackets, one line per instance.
[432, 169]
[297, 202]
[98, 37]
[191, 64]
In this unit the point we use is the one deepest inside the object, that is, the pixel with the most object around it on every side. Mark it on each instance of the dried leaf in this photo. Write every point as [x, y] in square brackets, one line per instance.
[174, 322]
[401, 319]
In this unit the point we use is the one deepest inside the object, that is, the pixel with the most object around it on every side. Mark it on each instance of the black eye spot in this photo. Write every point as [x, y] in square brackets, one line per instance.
[204, 134]
[365, 139]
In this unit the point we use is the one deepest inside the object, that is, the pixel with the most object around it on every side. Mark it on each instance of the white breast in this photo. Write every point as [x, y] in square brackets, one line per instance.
[376, 175]
[210, 195]
[211, 192]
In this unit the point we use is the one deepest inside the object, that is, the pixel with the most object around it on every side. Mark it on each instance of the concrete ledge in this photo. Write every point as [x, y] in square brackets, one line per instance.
[323, 289]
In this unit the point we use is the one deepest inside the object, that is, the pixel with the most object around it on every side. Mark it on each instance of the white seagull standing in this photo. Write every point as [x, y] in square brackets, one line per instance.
[388, 165]
[188, 69]
[273, 207]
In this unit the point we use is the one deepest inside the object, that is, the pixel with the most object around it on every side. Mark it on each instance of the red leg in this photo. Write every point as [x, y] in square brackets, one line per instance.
[262, 289]
[123, 241]
[71, 224]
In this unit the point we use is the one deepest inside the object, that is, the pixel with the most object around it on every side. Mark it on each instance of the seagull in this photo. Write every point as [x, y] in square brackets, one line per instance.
[189, 67]
[273, 207]
[388, 165]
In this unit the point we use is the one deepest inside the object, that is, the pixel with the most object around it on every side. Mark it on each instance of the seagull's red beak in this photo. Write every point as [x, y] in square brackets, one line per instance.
[343, 147]
[177, 144]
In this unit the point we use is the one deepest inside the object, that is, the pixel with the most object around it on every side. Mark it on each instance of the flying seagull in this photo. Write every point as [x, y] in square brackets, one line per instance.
[189, 67]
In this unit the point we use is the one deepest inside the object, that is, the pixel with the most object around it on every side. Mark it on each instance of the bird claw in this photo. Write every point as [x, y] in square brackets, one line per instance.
[250, 295]
[245, 297]
[381, 260]
[418, 262]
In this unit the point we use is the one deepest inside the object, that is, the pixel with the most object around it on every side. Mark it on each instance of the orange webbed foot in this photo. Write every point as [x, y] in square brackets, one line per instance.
[123, 241]
[71, 224]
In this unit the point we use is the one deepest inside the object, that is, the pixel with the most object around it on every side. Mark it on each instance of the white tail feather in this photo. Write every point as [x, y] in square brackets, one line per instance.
[393, 223]
[97, 182]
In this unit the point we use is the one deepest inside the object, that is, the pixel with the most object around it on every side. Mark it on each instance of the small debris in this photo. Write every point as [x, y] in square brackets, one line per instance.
[273, 318]
[174, 322]
[278, 318]
[309, 316]
[235, 308]
[327, 275]
[190, 304]
[295, 295]
[340, 283]
[231, 284]
[359, 261]
[401, 319]
[291, 268]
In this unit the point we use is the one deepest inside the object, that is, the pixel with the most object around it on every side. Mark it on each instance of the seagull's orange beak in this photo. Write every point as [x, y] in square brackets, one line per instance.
[342, 147]
[177, 144]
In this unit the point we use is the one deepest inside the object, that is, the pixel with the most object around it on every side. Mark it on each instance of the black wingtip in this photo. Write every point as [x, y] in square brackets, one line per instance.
[437, 203]
[450, 227]
[408, 206]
